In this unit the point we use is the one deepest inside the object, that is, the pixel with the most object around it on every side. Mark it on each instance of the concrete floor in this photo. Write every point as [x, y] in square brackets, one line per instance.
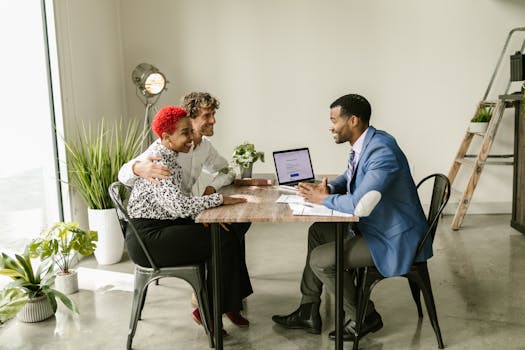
[478, 278]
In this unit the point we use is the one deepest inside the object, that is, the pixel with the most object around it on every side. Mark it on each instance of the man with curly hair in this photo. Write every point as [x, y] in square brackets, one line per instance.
[201, 108]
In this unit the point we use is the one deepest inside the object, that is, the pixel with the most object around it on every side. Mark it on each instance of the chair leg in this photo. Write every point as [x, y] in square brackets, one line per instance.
[424, 283]
[204, 309]
[196, 280]
[416, 295]
[143, 300]
[141, 281]
[363, 296]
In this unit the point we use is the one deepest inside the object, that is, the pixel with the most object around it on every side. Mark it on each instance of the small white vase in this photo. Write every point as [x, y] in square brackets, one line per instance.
[110, 244]
[478, 127]
[36, 310]
[67, 283]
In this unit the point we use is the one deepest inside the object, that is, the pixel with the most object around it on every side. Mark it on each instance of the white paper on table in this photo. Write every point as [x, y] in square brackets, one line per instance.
[300, 207]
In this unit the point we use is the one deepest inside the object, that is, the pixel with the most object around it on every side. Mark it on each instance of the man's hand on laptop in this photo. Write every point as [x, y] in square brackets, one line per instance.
[314, 193]
[150, 171]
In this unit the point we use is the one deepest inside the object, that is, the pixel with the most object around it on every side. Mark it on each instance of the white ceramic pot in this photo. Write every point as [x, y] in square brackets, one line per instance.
[110, 245]
[67, 283]
[478, 127]
[36, 310]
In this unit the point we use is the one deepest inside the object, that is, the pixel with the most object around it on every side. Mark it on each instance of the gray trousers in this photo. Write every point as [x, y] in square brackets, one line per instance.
[320, 266]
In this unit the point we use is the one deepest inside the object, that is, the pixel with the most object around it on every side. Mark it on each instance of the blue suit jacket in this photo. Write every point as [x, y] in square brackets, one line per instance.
[393, 229]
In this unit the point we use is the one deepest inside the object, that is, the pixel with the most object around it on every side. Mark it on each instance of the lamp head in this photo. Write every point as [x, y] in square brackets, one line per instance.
[149, 80]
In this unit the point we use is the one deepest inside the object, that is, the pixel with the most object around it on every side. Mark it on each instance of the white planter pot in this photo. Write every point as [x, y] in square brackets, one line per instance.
[36, 310]
[478, 127]
[110, 245]
[67, 283]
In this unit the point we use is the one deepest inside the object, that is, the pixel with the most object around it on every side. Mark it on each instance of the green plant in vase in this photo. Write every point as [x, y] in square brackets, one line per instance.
[94, 160]
[482, 116]
[30, 295]
[60, 243]
[479, 123]
[244, 156]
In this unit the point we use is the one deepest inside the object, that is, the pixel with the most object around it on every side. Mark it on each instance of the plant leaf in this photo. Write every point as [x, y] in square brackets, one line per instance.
[12, 300]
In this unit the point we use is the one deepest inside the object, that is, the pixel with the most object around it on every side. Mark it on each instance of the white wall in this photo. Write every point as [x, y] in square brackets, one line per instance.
[277, 65]
[92, 75]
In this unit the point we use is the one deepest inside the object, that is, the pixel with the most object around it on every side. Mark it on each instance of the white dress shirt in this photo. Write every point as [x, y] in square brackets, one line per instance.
[201, 157]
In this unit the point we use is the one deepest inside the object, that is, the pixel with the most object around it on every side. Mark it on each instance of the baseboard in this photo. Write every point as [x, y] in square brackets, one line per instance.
[479, 208]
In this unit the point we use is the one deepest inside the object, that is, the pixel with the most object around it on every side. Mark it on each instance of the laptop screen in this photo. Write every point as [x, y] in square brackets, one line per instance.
[293, 166]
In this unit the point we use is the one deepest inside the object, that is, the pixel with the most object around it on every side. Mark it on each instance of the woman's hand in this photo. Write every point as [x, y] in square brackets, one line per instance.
[233, 200]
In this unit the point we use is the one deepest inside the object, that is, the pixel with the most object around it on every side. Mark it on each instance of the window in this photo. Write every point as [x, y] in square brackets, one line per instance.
[29, 193]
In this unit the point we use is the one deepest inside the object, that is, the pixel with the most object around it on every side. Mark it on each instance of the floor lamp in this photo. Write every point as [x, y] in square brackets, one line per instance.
[150, 84]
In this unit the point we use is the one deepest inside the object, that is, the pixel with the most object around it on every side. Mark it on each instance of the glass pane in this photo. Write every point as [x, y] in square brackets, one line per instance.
[28, 188]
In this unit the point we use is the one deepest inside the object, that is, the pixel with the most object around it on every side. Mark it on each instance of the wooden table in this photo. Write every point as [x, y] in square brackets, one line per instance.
[261, 207]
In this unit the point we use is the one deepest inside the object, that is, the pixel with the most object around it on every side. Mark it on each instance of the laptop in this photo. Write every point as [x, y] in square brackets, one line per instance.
[293, 166]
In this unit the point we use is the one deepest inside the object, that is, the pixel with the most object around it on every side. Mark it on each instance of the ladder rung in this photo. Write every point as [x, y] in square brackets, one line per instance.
[495, 162]
[482, 134]
[508, 103]
[464, 161]
[471, 161]
[491, 155]
[488, 103]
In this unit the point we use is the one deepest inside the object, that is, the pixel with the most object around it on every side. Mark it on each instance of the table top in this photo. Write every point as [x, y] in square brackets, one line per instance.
[261, 207]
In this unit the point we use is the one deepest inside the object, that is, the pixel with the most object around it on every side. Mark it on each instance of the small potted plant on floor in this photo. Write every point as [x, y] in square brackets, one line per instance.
[30, 296]
[243, 158]
[60, 243]
[480, 121]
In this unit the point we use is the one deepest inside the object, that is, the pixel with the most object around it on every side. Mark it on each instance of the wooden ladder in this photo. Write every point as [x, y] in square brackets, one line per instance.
[478, 161]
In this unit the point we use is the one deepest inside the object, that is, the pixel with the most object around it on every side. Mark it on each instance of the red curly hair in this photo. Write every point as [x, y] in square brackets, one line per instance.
[166, 119]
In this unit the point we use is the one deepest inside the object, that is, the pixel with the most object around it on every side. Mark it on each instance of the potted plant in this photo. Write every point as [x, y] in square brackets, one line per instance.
[94, 160]
[60, 243]
[480, 121]
[243, 158]
[30, 296]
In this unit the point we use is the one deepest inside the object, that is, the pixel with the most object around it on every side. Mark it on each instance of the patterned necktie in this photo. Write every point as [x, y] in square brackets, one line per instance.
[351, 165]
[350, 174]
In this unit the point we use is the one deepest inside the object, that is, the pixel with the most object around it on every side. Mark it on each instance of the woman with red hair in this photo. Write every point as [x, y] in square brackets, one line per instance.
[164, 215]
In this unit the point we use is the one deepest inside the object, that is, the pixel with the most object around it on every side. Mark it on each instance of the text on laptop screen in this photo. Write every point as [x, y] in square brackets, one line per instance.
[293, 166]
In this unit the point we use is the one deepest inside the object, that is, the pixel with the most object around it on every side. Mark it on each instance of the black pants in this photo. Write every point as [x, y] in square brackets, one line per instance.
[182, 241]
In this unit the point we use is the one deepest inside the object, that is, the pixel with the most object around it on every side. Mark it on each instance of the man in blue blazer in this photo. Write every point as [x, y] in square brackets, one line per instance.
[378, 173]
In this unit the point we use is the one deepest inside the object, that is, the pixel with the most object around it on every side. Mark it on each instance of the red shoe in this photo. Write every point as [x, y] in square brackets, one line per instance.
[197, 316]
[237, 319]
[198, 320]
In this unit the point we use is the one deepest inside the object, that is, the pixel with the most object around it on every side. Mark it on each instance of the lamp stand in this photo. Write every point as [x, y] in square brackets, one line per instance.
[149, 139]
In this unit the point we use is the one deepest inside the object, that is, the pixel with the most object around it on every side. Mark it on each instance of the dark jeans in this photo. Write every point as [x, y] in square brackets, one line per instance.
[182, 241]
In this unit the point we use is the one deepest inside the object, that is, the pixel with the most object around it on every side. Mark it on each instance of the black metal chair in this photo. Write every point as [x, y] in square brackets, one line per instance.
[193, 274]
[418, 276]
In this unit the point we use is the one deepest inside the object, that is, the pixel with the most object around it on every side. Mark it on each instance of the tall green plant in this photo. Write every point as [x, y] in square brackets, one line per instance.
[95, 157]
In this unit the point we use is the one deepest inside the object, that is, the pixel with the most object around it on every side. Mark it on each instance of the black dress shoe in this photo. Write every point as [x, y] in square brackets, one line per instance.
[372, 323]
[305, 317]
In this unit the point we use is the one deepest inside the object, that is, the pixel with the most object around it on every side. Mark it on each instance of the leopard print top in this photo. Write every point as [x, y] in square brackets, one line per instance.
[167, 201]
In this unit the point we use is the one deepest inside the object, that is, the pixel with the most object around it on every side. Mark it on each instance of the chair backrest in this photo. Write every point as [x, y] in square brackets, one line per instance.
[118, 192]
[440, 196]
